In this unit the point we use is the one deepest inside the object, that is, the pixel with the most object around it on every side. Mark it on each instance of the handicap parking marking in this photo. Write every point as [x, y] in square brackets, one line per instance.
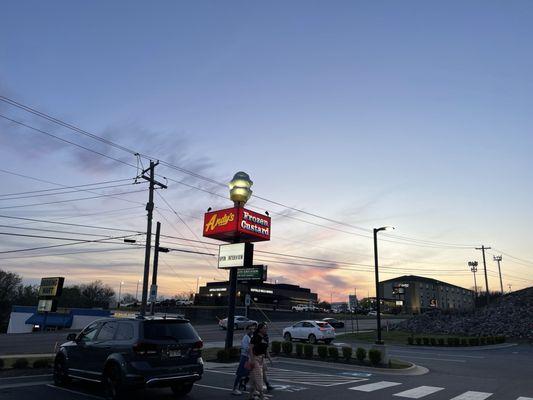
[288, 388]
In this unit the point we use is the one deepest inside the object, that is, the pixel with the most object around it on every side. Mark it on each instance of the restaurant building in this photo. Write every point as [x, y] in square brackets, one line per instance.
[415, 294]
[278, 296]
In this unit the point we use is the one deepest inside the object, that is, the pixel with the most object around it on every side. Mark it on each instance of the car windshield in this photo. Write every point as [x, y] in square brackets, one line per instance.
[164, 330]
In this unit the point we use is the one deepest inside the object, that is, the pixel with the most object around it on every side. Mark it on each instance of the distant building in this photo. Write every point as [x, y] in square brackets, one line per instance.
[415, 294]
[353, 303]
[279, 295]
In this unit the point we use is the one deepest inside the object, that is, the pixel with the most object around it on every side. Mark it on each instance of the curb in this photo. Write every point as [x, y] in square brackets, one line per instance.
[459, 348]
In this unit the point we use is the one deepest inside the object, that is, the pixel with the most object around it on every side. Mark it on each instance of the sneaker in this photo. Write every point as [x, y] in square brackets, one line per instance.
[236, 392]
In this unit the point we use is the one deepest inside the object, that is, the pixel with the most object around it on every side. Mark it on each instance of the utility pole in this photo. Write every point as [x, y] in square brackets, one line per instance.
[150, 209]
[157, 250]
[499, 259]
[487, 295]
[473, 269]
[355, 311]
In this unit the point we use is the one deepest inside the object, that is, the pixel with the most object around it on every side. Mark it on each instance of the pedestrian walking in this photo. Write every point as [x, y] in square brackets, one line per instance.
[241, 376]
[269, 387]
[257, 351]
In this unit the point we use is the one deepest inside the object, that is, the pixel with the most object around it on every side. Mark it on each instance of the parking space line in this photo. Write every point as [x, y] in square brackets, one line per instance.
[92, 396]
[214, 387]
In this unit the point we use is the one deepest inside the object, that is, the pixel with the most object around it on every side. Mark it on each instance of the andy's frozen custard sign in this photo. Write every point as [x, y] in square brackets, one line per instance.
[237, 223]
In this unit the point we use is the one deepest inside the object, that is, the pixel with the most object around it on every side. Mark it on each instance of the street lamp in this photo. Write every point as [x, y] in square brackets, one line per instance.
[239, 188]
[473, 269]
[378, 307]
[119, 292]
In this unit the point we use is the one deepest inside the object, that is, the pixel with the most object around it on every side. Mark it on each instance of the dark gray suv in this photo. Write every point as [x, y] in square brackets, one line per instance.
[126, 353]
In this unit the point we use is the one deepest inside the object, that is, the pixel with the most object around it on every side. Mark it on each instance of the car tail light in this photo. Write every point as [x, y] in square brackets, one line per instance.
[143, 348]
[198, 345]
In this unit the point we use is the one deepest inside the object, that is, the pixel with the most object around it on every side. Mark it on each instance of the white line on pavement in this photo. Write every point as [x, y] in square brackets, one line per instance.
[213, 387]
[24, 377]
[472, 396]
[375, 386]
[434, 354]
[23, 384]
[75, 392]
[435, 359]
[418, 392]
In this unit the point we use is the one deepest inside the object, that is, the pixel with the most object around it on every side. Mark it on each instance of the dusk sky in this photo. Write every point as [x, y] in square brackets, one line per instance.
[413, 114]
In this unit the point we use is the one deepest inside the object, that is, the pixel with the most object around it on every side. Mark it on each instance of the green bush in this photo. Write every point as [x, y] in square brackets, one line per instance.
[234, 352]
[20, 363]
[490, 340]
[410, 340]
[1, 363]
[441, 341]
[449, 341]
[499, 339]
[464, 342]
[299, 349]
[418, 341]
[223, 355]
[276, 347]
[433, 341]
[474, 341]
[347, 353]
[360, 354]
[482, 341]
[42, 363]
[426, 341]
[287, 347]
[322, 351]
[456, 341]
[374, 356]
[309, 349]
[333, 352]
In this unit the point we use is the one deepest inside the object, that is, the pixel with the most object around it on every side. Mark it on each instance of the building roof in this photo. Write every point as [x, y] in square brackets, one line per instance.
[415, 278]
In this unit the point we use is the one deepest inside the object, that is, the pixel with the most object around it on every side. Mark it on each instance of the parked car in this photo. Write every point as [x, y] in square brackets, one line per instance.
[311, 331]
[372, 313]
[334, 322]
[240, 322]
[301, 308]
[124, 353]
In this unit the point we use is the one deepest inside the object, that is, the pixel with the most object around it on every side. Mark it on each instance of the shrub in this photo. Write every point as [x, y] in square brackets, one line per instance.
[308, 350]
[276, 347]
[287, 347]
[223, 355]
[464, 342]
[418, 341]
[360, 354]
[482, 341]
[347, 353]
[499, 339]
[322, 351]
[490, 340]
[42, 363]
[299, 349]
[20, 363]
[426, 341]
[234, 352]
[410, 340]
[456, 341]
[374, 356]
[333, 352]
[433, 341]
[441, 341]
[449, 341]
[473, 341]
[1, 363]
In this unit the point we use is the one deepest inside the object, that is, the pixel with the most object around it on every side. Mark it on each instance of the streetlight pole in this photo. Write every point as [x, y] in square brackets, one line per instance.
[378, 305]
[473, 269]
[487, 294]
[498, 259]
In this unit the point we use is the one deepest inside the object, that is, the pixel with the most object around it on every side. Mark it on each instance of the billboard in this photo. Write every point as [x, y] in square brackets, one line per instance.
[235, 223]
[235, 255]
[255, 273]
[51, 287]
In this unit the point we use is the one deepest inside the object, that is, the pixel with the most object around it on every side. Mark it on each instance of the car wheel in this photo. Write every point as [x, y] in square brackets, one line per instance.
[61, 377]
[287, 336]
[112, 381]
[312, 339]
[181, 389]
[328, 341]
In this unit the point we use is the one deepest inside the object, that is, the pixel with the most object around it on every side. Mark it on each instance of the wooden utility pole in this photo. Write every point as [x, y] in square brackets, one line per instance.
[487, 294]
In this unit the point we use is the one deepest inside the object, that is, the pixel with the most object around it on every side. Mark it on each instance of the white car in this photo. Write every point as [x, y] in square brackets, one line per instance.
[312, 331]
[240, 322]
[372, 313]
[301, 307]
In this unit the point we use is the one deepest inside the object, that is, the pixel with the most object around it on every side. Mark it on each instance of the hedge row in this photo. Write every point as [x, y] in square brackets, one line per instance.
[228, 355]
[455, 341]
[326, 352]
[23, 363]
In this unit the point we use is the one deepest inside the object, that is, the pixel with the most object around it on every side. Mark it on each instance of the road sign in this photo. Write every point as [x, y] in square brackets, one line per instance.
[255, 273]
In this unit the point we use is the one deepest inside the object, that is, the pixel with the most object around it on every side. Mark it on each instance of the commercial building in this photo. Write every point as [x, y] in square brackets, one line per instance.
[279, 296]
[416, 294]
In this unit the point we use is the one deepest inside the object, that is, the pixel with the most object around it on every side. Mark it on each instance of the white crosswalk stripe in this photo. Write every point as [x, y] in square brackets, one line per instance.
[310, 378]
[472, 396]
[419, 392]
[370, 387]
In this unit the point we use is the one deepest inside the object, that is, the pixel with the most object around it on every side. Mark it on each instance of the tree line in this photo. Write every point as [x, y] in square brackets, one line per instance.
[13, 292]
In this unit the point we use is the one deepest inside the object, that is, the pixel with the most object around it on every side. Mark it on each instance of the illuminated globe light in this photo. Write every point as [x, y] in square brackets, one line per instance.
[239, 188]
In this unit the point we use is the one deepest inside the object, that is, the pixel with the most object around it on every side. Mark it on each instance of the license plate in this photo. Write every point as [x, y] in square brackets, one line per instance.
[174, 353]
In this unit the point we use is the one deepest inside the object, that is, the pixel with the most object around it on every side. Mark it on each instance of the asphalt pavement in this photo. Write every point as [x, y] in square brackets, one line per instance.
[504, 373]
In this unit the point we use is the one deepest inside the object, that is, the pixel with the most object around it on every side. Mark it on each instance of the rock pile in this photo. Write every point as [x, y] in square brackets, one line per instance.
[510, 315]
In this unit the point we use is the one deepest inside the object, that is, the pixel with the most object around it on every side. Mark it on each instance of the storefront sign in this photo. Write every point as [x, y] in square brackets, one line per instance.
[235, 255]
[51, 287]
[236, 223]
[255, 273]
[222, 289]
[267, 291]
[45, 305]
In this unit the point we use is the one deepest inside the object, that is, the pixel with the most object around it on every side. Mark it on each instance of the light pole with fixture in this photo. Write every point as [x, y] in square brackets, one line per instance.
[473, 269]
[498, 259]
[378, 306]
